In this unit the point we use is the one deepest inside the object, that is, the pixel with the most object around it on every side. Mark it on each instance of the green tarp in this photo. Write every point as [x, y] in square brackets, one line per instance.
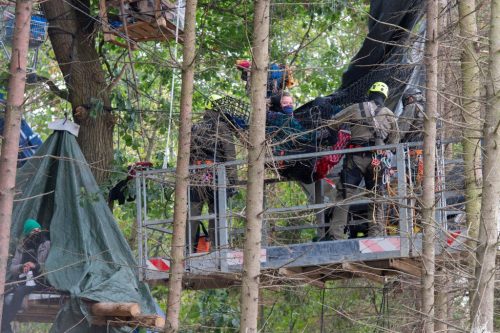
[89, 257]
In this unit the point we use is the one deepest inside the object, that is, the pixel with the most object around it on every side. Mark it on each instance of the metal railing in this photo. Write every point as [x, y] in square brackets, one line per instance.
[154, 233]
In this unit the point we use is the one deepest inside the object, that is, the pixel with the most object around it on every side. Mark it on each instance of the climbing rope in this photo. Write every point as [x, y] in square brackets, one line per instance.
[382, 169]
[166, 155]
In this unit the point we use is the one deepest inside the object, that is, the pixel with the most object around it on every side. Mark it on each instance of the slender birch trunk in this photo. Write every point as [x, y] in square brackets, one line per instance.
[482, 305]
[428, 196]
[182, 171]
[256, 157]
[441, 301]
[471, 113]
[12, 125]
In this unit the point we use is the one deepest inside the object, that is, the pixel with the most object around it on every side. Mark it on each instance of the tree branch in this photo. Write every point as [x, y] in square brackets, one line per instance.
[116, 79]
[63, 94]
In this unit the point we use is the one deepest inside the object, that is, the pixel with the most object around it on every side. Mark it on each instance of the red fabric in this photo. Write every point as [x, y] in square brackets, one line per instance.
[243, 64]
[452, 237]
[138, 166]
[326, 163]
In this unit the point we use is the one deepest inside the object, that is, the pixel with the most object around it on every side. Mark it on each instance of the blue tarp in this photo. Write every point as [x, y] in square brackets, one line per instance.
[29, 141]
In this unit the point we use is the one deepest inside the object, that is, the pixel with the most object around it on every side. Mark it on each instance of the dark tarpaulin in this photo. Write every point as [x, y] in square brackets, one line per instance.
[388, 25]
[382, 57]
[89, 257]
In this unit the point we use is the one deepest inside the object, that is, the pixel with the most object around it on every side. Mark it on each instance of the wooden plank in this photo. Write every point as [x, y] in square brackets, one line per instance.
[149, 321]
[141, 31]
[212, 281]
[105, 309]
[364, 271]
[406, 266]
[298, 275]
[38, 313]
[35, 317]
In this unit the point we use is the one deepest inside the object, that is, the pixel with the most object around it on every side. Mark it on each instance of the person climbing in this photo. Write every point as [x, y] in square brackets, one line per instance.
[411, 120]
[371, 124]
[25, 268]
[211, 142]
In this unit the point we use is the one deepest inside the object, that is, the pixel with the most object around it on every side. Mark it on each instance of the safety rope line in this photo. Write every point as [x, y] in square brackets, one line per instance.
[166, 155]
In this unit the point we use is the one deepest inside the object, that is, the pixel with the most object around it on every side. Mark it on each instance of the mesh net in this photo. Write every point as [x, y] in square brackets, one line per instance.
[235, 110]
[389, 54]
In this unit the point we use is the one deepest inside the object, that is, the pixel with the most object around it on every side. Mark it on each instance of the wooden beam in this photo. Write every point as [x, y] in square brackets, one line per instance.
[298, 275]
[116, 309]
[138, 321]
[39, 311]
[151, 320]
[406, 266]
[364, 271]
[27, 317]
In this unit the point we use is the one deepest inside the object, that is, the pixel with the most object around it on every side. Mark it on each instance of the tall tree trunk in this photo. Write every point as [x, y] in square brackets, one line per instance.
[12, 124]
[442, 293]
[255, 176]
[182, 170]
[428, 196]
[471, 113]
[483, 297]
[72, 34]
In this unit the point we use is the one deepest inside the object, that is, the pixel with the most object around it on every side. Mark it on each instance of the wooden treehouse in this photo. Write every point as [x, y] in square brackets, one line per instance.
[288, 253]
[128, 22]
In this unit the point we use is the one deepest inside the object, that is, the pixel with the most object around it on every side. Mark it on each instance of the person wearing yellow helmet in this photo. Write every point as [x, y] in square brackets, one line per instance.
[379, 87]
[370, 124]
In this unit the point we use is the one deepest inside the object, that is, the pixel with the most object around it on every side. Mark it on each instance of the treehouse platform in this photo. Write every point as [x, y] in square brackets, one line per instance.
[128, 22]
[43, 307]
[289, 254]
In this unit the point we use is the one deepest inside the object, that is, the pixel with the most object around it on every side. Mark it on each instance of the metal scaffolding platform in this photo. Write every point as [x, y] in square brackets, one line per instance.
[293, 256]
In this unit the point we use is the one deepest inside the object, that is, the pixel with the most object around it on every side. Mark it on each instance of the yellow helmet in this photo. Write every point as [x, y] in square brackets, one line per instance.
[212, 98]
[379, 87]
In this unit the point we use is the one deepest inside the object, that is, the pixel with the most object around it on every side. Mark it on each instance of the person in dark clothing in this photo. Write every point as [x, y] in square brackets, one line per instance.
[211, 142]
[371, 124]
[411, 125]
[411, 121]
[286, 104]
[26, 267]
